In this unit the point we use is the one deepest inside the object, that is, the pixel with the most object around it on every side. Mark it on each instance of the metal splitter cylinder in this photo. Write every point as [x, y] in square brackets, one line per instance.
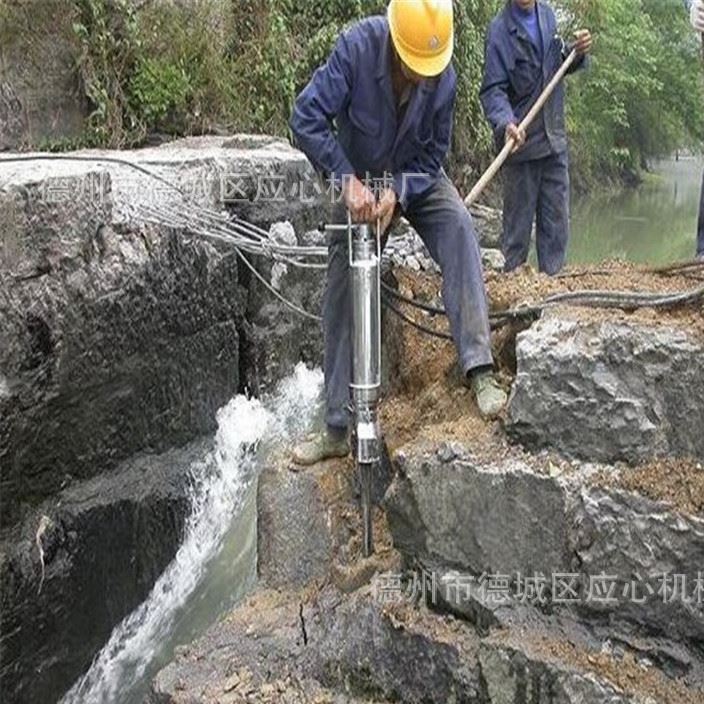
[364, 246]
[366, 339]
[365, 272]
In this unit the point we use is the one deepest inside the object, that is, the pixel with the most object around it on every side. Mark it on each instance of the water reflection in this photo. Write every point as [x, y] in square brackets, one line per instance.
[655, 223]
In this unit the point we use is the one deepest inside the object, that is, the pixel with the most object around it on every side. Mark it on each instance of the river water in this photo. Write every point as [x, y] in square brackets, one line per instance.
[654, 223]
[216, 563]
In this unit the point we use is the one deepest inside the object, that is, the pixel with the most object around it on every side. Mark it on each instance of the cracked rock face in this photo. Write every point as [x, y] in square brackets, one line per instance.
[324, 649]
[607, 391]
[430, 498]
[631, 564]
[127, 340]
[309, 646]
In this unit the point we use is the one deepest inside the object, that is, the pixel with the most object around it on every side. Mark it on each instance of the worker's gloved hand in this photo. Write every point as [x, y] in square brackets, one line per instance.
[582, 42]
[385, 209]
[359, 200]
[696, 15]
[517, 134]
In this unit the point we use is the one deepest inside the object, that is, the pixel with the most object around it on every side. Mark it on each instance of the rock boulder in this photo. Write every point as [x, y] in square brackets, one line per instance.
[608, 391]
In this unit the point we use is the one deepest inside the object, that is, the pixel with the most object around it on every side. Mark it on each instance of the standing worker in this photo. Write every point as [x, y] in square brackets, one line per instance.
[523, 52]
[696, 8]
[381, 107]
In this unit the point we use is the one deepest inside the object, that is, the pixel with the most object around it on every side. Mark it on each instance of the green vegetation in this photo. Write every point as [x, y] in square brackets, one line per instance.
[644, 94]
[236, 65]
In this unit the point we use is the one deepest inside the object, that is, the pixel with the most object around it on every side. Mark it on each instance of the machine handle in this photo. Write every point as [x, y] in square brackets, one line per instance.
[350, 228]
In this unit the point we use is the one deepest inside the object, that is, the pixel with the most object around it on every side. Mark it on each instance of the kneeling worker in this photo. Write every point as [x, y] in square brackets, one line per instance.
[523, 52]
[390, 89]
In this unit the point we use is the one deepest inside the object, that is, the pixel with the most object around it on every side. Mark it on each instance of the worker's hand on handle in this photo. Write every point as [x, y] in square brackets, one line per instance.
[697, 15]
[385, 209]
[583, 42]
[359, 200]
[517, 134]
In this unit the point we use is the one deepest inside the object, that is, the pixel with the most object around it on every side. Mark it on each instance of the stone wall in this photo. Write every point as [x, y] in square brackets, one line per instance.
[120, 338]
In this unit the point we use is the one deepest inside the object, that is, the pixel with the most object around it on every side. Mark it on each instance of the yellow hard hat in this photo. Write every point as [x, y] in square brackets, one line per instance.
[423, 34]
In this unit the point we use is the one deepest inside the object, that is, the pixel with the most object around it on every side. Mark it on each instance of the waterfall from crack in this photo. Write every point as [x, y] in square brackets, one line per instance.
[216, 563]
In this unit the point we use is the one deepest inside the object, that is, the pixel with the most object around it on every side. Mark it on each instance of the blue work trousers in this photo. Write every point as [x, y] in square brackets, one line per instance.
[445, 226]
[537, 190]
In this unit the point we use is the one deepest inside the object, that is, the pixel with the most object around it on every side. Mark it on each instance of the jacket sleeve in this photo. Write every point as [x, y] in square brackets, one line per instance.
[420, 172]
[493, 93]
[316, 107]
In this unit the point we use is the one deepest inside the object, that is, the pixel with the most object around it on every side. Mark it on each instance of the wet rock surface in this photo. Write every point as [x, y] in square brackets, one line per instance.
[308, 523]
[118, 336]
[277, 337]
[295, 544]
[82, 562]
[122, 333]
[604, 391]
[131, 343]
[325, 648]
[372, 637]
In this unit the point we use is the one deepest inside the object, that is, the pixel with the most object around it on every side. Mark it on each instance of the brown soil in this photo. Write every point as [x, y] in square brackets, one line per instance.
[349, 569]
[525, 286]
[627, 674]
[431, 403]
[678, 482]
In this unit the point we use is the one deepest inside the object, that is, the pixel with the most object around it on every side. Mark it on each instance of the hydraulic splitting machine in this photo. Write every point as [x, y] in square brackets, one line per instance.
[364, 242]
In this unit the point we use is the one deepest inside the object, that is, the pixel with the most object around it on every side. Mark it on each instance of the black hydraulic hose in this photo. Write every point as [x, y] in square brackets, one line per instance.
[597, 299]
[413, 323]
[416, 304]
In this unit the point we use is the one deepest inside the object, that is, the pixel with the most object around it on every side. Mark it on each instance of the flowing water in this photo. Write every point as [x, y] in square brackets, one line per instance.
[654, 223]
[216, 563]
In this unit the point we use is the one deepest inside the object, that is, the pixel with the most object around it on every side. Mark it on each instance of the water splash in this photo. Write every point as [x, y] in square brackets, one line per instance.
[221, 482]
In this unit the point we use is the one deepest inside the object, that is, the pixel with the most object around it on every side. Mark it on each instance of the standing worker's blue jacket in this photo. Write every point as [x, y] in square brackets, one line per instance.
[354, 90]
[515, 75]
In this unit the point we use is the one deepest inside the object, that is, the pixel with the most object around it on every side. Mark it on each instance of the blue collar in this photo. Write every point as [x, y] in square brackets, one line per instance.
[514, 27]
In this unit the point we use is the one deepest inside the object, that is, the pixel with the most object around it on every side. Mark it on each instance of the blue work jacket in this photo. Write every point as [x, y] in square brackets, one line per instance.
[345, 120]
[515, 74]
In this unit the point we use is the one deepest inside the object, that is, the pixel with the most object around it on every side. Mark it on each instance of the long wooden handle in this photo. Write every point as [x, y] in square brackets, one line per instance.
[527, 121]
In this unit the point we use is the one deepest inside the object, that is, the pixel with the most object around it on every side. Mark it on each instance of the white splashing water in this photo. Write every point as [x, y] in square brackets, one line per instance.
[221, 481]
